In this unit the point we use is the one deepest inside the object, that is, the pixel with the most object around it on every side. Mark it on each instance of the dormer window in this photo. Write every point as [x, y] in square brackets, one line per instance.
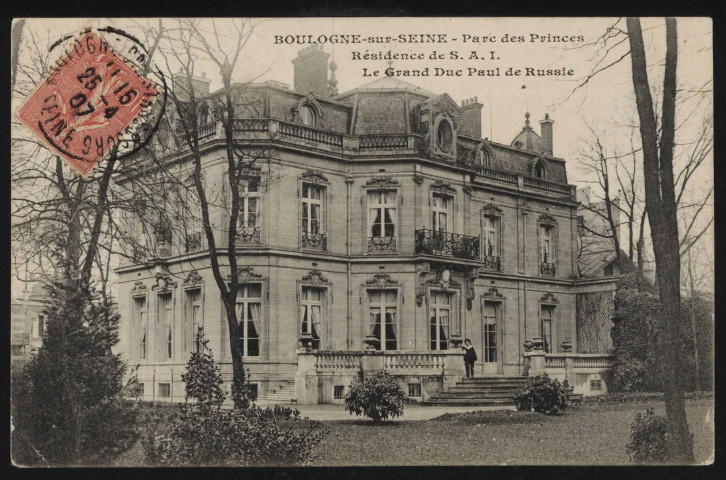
[540, 168]
[307, 116]
[445, 136]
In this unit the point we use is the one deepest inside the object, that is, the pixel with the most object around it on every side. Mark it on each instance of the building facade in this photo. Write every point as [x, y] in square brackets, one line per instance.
[27, 323]
[382, 221]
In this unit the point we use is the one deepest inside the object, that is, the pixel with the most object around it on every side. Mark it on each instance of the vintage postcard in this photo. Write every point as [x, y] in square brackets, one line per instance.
[362, 241]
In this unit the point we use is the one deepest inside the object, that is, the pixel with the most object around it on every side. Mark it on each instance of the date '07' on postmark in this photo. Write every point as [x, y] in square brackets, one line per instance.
[87, 102]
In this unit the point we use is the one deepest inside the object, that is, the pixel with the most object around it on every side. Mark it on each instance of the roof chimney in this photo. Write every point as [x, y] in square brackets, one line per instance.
[470, 124]
[199, 85]
[546, 129]
[311, 70]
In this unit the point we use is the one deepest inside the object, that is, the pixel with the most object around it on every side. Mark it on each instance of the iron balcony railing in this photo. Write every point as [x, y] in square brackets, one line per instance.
[547, 269]
[378, 244]
[492, 262]
[314, 240]
[248, 236]
[446, 244]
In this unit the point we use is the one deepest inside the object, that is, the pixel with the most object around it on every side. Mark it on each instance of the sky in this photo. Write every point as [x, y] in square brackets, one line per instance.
[601, 102]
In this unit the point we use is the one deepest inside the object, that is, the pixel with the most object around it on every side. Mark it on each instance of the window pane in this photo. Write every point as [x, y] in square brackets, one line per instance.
[376, 222]
[390, 296]
[254, 291]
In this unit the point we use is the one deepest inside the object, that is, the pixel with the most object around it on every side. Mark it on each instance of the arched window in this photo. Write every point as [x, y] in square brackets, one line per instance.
[307, 115]
[539, 170]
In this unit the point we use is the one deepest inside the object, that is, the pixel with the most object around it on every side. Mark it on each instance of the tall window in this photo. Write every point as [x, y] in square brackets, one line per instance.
[139, 318]
[383, 306]
[249, 316]
[36, 329]
[546, 328]
[546, 250]
[193, 224]
[440, 212]
[491, 236]
[490, 333]
[307, 115]
[249, 208]
[194, 318]
[382, 213]
[166, 319]
[311, 313]
[312, 209]
[440, 320]
[539, 170]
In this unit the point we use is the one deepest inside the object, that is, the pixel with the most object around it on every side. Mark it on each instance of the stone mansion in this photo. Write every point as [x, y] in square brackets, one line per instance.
[389, 231]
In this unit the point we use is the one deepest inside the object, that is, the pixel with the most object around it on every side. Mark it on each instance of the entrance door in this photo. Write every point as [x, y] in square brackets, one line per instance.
[490, 339]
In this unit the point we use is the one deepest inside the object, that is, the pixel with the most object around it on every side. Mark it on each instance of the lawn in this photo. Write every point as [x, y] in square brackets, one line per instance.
[591, 434]
[587, 434]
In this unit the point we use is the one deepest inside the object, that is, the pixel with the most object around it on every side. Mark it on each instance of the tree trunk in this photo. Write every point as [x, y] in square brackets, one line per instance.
[661, 205]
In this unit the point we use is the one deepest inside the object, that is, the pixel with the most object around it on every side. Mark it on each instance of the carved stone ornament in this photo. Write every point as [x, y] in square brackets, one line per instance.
[418, 179]
[547, 219]
[548, 298]
[164, 283]
[245, 274]
[193, 278]
[443, 187]
[315, 177]
[381, 280]
[491, 210]
[493, 294]
[139, 288]
[467, 189]
[382, 182]
[315, 278]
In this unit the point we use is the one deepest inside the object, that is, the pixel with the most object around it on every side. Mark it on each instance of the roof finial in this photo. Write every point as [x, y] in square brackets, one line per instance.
[332, 81]
[526, 120]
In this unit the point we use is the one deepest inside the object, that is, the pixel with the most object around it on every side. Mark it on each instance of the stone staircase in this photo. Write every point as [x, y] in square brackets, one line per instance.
[284, 394]
[482, 391]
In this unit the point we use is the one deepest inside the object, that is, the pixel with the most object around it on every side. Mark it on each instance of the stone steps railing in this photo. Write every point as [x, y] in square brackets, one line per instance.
[395, 363]
[413, 361]
[539, 361]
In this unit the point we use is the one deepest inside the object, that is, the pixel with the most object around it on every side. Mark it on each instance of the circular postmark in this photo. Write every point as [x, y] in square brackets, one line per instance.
[103, 98]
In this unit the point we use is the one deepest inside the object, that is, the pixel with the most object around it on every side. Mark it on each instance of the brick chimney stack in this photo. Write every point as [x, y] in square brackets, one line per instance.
[546, 129]
[311, 70]
[199, 85]
[470, 124]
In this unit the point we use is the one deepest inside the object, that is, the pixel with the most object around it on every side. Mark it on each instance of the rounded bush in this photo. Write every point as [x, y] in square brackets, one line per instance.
[542, 394]
[648, 438]
[377, 398]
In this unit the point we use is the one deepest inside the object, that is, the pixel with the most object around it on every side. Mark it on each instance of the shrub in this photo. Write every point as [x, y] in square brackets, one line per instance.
[377, 398]
[637, 333]
[68, 406]
[542, 394]
[202, 434]
[648, 438]
[235, 437]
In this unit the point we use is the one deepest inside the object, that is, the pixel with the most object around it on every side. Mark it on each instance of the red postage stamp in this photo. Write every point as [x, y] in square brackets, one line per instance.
[87, 102]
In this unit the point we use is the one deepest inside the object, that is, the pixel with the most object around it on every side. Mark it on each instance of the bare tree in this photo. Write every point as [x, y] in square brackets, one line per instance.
[57, 212]
[188, 43]
[661, 201]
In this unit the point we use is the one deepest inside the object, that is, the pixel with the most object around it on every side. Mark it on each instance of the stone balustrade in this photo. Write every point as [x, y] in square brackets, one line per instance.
[268, 128]
[319, 371]
[583, 371]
